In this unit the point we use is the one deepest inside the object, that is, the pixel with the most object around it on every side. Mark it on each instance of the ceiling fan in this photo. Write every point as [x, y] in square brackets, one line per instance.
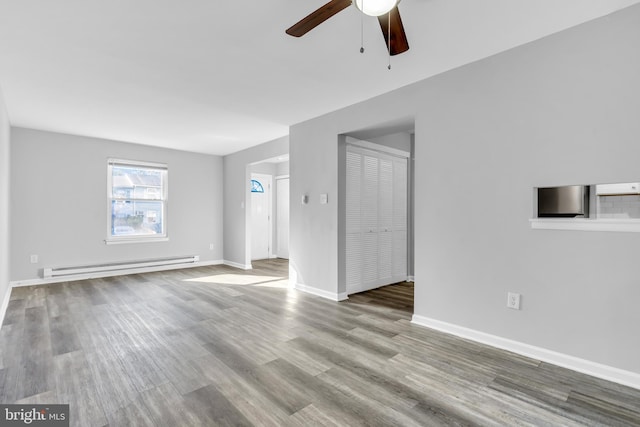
[386, 11]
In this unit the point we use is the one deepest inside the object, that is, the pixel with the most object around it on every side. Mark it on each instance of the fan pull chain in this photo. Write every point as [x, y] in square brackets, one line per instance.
[389, 38]
[362, 29]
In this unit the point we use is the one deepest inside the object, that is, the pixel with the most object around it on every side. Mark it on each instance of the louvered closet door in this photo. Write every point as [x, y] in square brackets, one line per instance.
[369, 207]
[385, 220]
[400, 243]
[353, 261]
[376, 220]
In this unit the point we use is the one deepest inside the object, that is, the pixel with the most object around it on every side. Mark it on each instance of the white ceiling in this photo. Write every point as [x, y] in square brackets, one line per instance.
[217, 77]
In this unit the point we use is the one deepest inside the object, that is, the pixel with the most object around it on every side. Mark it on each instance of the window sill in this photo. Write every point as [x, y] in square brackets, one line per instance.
[120, 241]
[586, 224]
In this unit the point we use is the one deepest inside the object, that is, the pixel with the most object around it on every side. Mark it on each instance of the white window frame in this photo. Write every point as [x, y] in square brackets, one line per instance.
[164, 236]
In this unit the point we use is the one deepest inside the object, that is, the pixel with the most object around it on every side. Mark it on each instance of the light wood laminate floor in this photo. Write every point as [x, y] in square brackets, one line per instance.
[219, 346]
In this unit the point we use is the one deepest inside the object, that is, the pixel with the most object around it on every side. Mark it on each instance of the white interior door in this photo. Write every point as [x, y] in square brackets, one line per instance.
[282, 214]
[260, 216]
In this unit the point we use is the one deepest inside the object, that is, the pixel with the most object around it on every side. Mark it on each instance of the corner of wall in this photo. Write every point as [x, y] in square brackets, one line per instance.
[333, 296]
[6, 296]
[5, 135]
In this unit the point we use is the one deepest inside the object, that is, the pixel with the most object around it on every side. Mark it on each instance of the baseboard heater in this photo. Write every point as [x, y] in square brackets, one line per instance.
[116, 266]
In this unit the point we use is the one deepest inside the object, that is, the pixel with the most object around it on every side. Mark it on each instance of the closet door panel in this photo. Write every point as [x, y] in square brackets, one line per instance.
[385, 220]
[353, 192]
[354, 262]
[369, 260]
[400, 197]
[353, 226]
[385, 195]
[385, 257]
[400, 194]
[400, 255]
[369, 195]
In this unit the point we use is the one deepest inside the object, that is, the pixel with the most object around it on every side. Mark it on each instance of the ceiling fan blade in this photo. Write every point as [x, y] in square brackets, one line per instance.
[316, 18]
[399, 41]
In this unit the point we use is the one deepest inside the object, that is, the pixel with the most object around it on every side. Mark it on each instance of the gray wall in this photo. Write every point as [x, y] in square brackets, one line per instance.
[561, 110]
[236, 197]
[4, 201]
[59, 203]
[264, 168]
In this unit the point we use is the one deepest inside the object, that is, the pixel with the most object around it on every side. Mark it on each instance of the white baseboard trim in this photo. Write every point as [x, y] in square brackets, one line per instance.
[5, 303]
[321, 292]
[609, 373]
[238, 265]
[97, 275]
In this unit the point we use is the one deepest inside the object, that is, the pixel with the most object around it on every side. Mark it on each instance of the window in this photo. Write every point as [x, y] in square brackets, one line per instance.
[256, 187]
[137, 200]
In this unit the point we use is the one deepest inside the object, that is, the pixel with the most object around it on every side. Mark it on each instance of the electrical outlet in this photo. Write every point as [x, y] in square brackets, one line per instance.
[513, 300]
[211, 246]
[34, 259]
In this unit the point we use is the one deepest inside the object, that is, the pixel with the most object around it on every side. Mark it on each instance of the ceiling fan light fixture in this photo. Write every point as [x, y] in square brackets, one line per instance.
[375, 7]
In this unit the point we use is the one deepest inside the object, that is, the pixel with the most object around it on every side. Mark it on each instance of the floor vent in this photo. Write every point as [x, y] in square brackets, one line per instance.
[117, 266]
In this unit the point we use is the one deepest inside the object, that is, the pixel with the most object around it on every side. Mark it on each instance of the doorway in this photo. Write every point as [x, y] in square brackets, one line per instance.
[376, 237]
[267, 213]
[261, 214]
[376, 220]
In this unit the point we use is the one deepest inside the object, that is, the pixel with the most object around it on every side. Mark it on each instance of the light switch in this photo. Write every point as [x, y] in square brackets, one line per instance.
[305, 199]
[324, 199]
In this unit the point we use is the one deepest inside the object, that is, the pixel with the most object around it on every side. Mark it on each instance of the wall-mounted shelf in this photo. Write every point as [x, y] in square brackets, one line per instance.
[585, 224]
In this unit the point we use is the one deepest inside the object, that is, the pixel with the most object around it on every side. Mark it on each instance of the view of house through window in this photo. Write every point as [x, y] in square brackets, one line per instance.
[138, 200]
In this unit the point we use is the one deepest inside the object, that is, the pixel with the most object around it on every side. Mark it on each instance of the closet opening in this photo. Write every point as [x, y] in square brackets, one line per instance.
[376, 227]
